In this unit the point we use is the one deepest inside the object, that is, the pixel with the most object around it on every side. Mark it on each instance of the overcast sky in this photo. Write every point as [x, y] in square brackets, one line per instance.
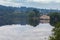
[50, 4]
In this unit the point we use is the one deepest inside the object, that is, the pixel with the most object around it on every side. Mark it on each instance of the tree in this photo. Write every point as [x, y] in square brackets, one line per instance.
[54, 17]
[55, 22]
[33, 17]
[56, 30]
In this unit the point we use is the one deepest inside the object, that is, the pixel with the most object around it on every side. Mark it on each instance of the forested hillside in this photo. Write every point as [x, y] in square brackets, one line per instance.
[14, 15]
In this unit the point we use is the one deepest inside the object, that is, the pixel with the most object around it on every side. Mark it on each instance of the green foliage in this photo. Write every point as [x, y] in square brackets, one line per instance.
[55, 22]
[56, 30]
[54, 17]
[13, 15]
[33, 17]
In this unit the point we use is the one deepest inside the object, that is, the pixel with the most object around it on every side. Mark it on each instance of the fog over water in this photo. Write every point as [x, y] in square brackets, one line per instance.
[25, 32]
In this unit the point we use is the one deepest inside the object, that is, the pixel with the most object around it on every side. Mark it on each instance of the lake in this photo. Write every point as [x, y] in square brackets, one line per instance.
[25, 32]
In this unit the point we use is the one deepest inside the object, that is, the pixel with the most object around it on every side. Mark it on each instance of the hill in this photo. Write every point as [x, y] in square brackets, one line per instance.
[16, 15]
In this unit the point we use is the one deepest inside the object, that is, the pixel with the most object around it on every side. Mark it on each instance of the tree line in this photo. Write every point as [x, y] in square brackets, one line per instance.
[17, 17]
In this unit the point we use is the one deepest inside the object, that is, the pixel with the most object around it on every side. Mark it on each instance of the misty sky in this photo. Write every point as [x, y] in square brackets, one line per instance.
[50, 4]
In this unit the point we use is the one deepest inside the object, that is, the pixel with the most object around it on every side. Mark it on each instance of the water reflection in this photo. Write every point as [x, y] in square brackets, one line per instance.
[26, 32]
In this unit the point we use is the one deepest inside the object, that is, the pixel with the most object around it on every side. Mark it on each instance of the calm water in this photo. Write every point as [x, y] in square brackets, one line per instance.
[25, 32]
